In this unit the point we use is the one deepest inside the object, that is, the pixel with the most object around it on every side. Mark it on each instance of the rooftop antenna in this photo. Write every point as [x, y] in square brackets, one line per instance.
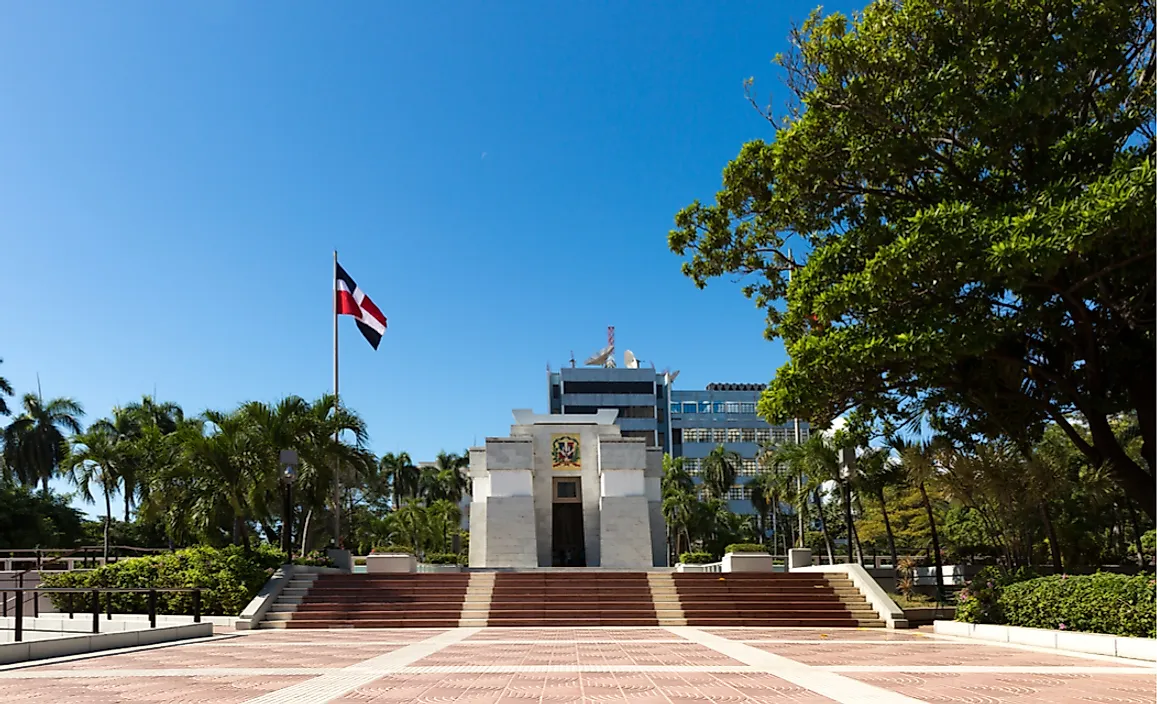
[572, 359]
[606, 356]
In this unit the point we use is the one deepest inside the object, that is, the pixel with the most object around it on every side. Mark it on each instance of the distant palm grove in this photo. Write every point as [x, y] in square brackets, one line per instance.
[167, 479]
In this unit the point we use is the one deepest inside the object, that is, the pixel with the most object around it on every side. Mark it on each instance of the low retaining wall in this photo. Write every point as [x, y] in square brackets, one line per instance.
[79, 644]
[1095, 643]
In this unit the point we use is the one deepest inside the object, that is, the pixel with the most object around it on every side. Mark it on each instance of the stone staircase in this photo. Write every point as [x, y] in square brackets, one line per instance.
[772, 600]
[570, 599]
[371, 601]
[574, 599]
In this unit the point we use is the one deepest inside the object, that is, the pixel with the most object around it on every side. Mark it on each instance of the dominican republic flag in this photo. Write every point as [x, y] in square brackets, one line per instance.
[351, 300]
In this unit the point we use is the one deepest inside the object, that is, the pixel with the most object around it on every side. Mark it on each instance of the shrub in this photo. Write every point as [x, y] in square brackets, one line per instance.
[229, 578]
[745, 547]
[317, 558]
[441, 558]
[979, 602]
[696, 558]
[394, 549]
[1098, 603]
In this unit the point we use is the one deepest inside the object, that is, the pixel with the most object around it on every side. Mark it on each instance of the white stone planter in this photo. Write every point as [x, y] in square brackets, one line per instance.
[799, 557]
[748, 562]
[391, 563]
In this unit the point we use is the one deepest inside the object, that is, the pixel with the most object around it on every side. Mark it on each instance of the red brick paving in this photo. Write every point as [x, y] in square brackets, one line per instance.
[997, 688]
[563, 665]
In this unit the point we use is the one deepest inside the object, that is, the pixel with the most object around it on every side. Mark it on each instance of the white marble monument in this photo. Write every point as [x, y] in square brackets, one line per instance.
[566, 491]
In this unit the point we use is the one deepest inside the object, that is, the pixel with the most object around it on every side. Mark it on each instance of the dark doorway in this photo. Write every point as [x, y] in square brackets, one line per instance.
[568, 549]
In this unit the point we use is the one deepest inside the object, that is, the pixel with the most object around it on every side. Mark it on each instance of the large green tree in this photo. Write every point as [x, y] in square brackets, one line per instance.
[972, 183]
[5, 390]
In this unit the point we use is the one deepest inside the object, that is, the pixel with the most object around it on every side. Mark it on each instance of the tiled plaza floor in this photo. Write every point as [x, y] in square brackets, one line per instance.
[629, 665]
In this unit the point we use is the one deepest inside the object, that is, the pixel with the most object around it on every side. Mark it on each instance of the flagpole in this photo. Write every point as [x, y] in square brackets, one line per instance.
[336, 434]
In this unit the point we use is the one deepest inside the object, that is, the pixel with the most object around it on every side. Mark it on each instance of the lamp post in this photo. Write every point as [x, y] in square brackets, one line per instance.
[288, 476]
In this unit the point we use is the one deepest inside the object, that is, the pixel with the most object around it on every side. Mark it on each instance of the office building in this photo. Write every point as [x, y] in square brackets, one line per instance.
[682, 423]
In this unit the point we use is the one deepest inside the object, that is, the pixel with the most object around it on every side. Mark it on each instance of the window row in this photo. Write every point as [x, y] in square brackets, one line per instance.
[735, 493]
[749, 467]
[763, 436]
[713, 407]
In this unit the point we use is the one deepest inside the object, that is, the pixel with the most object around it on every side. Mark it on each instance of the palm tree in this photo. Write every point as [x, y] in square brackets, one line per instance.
[919, 462]
[877, 473]
[446, 479]
[679, 504]
[815, 461]
[720, 468]
[36, 442]
[166, 416]
[412, 524]
[444, 517]
[95, 459]
[228, 468]
[5, 390]
[123, 429]
[401, 474]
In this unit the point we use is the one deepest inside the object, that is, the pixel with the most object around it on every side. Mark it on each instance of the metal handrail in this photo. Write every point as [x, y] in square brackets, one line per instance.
[95, 592]
[18, 578]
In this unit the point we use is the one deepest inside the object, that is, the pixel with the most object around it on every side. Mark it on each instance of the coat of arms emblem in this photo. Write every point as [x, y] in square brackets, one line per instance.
[564, 452]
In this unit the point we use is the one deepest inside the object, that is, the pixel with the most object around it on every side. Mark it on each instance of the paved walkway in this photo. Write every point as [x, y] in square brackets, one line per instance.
[670, 665]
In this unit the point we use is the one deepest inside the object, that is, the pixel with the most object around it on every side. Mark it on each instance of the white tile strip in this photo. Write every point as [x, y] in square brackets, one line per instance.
[336, 683]
[988, 669]
[829, 684]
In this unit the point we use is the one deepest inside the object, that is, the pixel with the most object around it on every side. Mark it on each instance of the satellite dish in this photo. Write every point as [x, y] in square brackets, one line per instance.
[674, 374]
[629, 360]
[601, 357]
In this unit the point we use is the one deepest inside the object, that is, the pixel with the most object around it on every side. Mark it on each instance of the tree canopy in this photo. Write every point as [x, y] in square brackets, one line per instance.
[972, 185]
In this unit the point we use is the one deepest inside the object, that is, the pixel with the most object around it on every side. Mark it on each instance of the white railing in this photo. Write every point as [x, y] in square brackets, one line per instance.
[705, 567]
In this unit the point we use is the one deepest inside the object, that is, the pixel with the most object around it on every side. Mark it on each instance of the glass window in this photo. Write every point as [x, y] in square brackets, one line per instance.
[704, 406]
[763, 435]
[719, 435]
[747, 408]
[738, 493]
[750, 467]
[691, 464]
[567, 490]
[684, 407]
[747, 435]
[731, 407]
[733, 435]
[719, 407]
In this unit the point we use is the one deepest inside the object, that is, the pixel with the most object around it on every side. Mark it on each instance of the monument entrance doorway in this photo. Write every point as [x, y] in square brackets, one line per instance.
[568, 548]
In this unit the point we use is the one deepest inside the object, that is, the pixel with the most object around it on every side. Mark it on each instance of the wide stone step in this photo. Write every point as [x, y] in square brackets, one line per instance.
[576, 622]
[374, 614]
[381, 623]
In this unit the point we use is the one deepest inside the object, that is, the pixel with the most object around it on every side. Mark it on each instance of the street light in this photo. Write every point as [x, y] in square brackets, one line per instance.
[288, 476]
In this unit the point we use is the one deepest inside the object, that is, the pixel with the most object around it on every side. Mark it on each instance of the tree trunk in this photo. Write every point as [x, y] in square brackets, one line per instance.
[824, 527]
[1136, 531]
[888, 530]
[775, 529]
[935, 543]
[846, 490]
[1054, 546]
[107, 521]
[305, 532]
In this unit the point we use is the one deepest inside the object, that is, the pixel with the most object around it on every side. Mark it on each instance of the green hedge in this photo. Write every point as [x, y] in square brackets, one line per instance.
[1116, 604]
[696, 558]
[229, 577]
[745, 547]
[317, 558]
[442, 558]
[393, 549]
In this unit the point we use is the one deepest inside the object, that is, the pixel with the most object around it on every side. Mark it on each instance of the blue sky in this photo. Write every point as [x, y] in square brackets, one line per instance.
[500, 178]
